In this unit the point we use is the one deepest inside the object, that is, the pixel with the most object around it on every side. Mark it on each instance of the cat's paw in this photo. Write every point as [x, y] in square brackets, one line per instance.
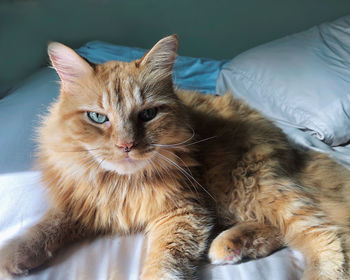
[246, 240]
[8, 269]
[4, 274]
[225, 250]
[18, 258]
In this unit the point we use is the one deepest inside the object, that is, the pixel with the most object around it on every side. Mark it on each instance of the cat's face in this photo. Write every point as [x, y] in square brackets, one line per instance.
[120, 113]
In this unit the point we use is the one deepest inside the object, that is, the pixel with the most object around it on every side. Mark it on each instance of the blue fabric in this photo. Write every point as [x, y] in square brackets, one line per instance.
[189, 72]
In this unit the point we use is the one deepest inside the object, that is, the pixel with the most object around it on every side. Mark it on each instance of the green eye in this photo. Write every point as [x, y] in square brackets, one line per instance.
[148, 114]
[97, 118]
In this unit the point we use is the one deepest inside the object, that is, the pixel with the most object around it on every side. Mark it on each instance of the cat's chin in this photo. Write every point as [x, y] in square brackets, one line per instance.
[125, 166]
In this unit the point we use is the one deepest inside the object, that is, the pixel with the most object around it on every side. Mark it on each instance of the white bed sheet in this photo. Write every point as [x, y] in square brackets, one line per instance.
[23, 202]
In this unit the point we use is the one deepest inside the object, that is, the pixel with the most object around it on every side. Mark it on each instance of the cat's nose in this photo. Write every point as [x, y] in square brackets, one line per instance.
[126, 147]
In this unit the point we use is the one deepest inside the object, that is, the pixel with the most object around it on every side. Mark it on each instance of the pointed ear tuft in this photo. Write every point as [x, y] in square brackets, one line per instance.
[68, 64]
[162, 55]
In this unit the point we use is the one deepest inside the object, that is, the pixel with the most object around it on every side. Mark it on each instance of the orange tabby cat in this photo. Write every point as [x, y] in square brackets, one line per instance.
[122, 152]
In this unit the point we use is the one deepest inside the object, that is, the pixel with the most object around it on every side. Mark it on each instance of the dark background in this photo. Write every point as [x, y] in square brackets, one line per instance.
[206, 28]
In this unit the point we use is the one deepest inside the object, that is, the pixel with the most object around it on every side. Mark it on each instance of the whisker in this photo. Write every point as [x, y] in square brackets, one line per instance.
[155, 167]
[88, 164]
[171, 177]
[178, 145]
[188, 177]
[168, 169]
[77, 151]
[188, 169]
[199, 141]
[100, 163]
[184, 172]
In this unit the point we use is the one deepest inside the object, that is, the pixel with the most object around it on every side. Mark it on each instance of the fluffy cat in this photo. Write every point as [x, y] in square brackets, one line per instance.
[121, 151]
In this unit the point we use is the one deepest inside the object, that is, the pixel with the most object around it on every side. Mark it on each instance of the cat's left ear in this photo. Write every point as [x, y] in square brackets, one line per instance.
[68, 64]
[162, 56]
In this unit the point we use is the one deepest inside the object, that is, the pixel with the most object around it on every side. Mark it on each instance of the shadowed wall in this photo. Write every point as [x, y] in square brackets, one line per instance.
[216, 29]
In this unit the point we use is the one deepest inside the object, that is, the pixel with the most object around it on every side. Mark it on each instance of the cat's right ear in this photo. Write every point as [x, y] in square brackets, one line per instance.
[68, 64]
[161, 57]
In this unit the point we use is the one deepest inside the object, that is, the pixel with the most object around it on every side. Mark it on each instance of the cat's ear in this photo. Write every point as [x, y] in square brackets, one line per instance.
[162, 56]
[68, 64]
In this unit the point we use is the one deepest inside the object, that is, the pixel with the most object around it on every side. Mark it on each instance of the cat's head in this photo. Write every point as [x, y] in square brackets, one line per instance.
[115, 115]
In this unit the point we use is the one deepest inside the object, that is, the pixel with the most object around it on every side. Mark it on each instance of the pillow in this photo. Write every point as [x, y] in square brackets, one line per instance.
[302, 80]
[19, 116]
[189, 72]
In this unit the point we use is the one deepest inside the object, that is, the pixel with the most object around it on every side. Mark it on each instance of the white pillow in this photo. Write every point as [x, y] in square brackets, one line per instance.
[19, 117]
[302, 80]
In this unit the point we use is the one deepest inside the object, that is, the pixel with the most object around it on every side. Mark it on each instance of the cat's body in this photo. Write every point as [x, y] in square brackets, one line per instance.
[175, 172]
[272, 192]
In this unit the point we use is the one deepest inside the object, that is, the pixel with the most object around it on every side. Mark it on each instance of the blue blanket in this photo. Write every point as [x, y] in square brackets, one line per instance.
[189, 72]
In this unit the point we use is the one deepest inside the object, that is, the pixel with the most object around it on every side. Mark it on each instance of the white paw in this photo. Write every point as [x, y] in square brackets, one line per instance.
[4, 275]
[231, 258]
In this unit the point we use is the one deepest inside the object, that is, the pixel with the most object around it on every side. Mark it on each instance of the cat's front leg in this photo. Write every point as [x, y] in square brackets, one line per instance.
[177, 243]
[245, 240]
[38, 244]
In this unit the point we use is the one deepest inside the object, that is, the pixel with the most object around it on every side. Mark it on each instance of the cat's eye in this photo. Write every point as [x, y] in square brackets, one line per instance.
[97, 117]
[148, 114]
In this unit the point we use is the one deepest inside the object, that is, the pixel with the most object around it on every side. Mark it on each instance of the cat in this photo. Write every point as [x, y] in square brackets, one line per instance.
[122, 151]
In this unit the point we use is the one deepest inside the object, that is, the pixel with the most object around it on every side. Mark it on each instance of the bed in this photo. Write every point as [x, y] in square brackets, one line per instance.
[268, 77]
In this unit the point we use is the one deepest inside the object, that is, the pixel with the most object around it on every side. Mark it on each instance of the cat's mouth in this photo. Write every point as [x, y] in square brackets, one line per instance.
[127, 165]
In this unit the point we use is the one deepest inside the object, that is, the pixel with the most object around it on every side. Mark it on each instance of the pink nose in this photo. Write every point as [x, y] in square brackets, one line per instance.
[126, 147]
